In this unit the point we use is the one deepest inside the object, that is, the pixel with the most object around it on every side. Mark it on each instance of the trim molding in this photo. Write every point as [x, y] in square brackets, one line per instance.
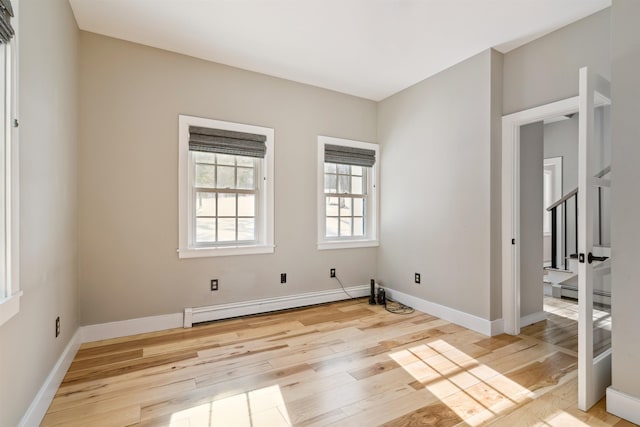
[123, 328]
[469, 321]
[38, 408]
[224, 311]
[532, 318]
[623, 405]
[510, 185]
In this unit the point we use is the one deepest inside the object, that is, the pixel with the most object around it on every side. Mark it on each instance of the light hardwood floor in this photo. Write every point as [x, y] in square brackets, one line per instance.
[343, 364]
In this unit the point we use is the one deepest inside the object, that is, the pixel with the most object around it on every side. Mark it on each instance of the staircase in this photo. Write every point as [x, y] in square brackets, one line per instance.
[562, 280]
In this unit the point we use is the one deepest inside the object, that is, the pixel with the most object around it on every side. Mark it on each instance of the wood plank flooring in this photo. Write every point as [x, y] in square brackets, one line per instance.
[340, 364]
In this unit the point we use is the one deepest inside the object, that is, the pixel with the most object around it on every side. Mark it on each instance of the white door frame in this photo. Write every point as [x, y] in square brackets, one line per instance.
[511, 124]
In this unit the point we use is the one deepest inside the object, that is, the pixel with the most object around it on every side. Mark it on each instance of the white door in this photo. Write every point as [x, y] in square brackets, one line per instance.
[594, 290]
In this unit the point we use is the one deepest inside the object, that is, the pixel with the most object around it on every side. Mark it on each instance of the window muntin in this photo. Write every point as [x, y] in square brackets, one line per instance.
[345, 192]
[226, 201]
[225, 195]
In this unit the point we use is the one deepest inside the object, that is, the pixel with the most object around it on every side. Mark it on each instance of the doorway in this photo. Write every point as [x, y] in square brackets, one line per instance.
[592, 104]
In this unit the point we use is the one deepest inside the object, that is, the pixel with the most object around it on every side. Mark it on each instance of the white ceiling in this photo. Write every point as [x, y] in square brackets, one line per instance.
[367, 48]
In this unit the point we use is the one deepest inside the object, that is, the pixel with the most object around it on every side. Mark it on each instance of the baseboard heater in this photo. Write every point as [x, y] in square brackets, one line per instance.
[195, 315]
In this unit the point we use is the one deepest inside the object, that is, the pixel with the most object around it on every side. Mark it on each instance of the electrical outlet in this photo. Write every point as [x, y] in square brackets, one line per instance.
[417, 278]
[332, 272]
[57, 326]
[283, 277]
[214, 284]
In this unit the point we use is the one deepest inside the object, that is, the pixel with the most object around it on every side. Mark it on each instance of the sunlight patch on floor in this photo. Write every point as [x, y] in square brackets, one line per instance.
[263, 407]
[474, 391]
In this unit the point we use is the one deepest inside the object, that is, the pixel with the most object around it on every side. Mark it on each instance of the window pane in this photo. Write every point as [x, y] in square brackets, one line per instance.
[358, 226]
[205, 230]
[358, 207]
[356, 170]
[226, 177]
[330, 167]
[332, 227]
[245, 178]
[226, 159]
[330, 183]
[202, 157]
[246, 205]
[345, 206]
[226, 204]
[245, 161]
[344, 169]
[226, 229]
[246, 228]
[356, 185]
[345, 226]
[332, 206]
[344, 184]
[205, 204]
[205, 176]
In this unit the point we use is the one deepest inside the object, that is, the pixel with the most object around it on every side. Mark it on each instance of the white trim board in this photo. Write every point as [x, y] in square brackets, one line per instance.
[532, 318]
[38, 408]
[511, 124]
[123, 328]
[623, 405]
[469, 321]
[225, 311]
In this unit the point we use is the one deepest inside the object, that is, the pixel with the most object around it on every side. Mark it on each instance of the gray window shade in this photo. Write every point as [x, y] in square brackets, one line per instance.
[349, 155]
[6, 13]
[226, 142]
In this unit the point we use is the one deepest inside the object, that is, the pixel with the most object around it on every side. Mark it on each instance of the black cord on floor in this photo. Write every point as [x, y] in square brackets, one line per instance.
[397, 308]
[343, 289]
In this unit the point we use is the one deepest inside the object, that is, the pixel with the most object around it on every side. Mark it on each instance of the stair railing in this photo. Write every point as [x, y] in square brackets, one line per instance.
[600, 182]
[554, 227]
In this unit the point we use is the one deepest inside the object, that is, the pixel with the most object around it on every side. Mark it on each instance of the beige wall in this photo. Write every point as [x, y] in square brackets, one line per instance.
[48, 147]
[131, 96]
[625, 202]
[531, 166]
[546, 69]
[436, 187]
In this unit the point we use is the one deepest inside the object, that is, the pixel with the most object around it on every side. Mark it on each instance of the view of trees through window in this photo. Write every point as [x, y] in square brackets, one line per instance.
[225, 197]
[345, 200]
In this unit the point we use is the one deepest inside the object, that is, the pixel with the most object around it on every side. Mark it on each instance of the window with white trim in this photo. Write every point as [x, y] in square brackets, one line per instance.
[347, 193]
[9, 228]
[225, 188]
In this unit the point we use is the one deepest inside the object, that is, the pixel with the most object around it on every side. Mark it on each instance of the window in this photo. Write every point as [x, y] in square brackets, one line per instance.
[9, 228]
[347, 193]
[225, 188]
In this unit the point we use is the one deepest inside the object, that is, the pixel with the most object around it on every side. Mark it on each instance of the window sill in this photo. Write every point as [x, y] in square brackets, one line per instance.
[347, 244]
[9, 307]
[225, 251]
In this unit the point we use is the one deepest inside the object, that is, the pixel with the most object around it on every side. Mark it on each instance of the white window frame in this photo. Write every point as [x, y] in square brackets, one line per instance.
[372, 209]
[10, 292]
[264, 208]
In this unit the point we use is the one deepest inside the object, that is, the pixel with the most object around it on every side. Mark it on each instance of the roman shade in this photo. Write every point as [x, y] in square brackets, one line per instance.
[223, 141]
[6, 13]
[349, 155]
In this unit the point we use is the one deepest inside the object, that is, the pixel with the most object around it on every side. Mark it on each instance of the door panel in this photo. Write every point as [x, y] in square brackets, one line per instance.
[594, 290]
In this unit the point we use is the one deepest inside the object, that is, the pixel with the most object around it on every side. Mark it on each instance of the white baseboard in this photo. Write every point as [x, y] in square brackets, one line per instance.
[123, 328]
[497, 327]
[623, 405]
[469, 321]
[532, 318]
[38, 408]
[225, 311]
